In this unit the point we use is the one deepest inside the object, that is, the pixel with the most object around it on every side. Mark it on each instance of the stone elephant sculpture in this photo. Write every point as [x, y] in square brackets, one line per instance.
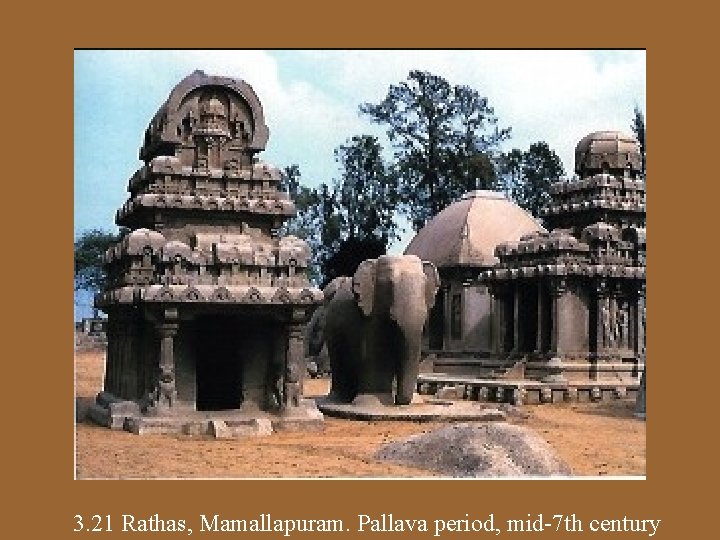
[373, 328]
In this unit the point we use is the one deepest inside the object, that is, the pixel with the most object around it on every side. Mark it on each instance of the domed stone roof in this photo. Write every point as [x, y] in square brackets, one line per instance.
[607, 151]
[466, 232]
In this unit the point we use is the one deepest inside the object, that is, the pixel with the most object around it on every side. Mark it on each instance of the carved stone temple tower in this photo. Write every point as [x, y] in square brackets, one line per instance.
[571, 302]
[206, 303]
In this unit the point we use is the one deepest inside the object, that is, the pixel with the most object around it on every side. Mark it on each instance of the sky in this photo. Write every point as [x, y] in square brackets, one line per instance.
[310, 99]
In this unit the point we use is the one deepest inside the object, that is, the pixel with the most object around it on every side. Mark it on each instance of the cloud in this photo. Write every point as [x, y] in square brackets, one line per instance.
[311, 99]
[558, 96]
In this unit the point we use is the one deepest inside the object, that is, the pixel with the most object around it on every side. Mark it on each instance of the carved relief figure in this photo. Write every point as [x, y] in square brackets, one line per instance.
[621, 325]
[293, 385]
[166, 392]
[188, 124]
[239, 130]
[213, 119]
[275, 385]
[606, 325]
[295, 368]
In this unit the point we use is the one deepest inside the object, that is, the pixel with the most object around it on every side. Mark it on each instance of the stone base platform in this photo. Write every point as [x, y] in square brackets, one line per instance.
[228, 424]
[579, 367]
[521, 392]
[425, 410]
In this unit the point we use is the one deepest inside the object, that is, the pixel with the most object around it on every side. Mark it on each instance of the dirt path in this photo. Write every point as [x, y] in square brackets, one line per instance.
[595, 439]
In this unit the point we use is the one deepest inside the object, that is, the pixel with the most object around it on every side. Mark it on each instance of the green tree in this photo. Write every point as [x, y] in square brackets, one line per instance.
[445, 138]
[638, 127]
[476, 140]
[366, 197]
[367, 193]
[317, 220]
[305, 200]
[350, 252]
[290, 179]
[510, 169]
[539, 167]
[90, 247]
[330, 228]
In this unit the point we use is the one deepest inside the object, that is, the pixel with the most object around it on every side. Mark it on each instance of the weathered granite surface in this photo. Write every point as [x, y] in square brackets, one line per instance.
[496, 449]
[206, 302]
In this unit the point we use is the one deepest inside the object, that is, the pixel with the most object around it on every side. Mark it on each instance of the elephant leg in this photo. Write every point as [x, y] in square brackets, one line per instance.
[408, 371]
[343, 385]
[380, 357]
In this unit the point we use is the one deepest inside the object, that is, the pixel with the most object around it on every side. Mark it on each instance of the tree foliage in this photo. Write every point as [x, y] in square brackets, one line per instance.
[317, 221]
[290, 179]
[510, 172]
[638, 127]
[367, 193]
[445, 138]
[350, 221]
[527, 176]
[89, 247]
[349, 254]
[446, 142]
[366, 196]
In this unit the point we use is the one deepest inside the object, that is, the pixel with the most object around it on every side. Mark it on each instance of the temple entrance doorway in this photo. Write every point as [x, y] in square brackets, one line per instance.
[233, 355]
[219, 364]
[436, 322]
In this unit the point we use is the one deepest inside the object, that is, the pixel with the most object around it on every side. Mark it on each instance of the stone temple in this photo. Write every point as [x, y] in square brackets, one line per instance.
[461, 242]
[553, 316]
[206, 302]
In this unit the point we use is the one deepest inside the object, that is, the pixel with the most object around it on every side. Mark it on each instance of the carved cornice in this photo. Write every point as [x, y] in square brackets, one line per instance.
[210, 294]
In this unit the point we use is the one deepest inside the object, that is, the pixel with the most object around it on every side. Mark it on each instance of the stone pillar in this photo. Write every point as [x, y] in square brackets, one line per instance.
[554, 368]
[613, 306]
[109, 382]
[464, 326]
[499, 297]
[640, 322]
[275, 375]
[295, 364]
[447, 320]
[128, 363]
[166, 393]
[126, 368]
[558, 287]
[603, 322]
[516, 316]
[539, 336]
[120, 371]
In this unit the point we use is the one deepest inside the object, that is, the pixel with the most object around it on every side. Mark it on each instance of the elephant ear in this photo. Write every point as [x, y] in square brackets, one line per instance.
[331, 289]
[363, 285]
[432, 282]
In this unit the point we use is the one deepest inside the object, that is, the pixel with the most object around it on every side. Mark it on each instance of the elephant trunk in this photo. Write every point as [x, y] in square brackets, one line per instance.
[394, 294]
[407, 310]
[408, 366]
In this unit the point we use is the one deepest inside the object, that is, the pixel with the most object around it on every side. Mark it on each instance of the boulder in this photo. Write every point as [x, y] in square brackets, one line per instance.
[478, 450]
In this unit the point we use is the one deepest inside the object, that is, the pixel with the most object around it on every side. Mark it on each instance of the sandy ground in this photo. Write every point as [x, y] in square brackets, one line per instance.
[594, 439]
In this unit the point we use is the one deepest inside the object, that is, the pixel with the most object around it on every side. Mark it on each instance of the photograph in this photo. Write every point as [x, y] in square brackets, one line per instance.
[359, 264]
